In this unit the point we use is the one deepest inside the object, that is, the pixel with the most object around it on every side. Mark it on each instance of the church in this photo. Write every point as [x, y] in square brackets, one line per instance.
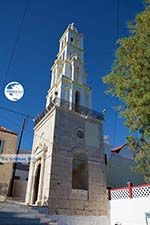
[68, 173]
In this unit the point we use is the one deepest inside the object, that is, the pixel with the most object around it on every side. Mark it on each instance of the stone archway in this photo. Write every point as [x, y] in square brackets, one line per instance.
[80, 171]
[36, 184]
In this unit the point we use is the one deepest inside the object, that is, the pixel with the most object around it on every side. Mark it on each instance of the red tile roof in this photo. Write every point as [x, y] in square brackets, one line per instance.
[118, 149]
[3, 129]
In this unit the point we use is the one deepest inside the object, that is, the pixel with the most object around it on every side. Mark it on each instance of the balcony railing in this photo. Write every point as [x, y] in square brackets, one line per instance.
[129, 192]
[82, 110]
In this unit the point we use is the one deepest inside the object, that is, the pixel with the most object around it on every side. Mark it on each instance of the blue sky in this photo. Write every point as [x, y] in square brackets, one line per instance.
[43, 25]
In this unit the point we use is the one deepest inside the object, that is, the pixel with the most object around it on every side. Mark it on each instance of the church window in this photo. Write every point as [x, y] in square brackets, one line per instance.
[62, 44]
[71, 39]
[80, 172]
[1, 146]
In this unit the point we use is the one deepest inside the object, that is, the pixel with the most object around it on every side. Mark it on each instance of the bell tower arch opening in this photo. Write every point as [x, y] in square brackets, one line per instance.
[77, 101]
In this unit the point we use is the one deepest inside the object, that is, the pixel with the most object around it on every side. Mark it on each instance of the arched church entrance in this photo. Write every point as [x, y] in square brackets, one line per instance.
[36, 184]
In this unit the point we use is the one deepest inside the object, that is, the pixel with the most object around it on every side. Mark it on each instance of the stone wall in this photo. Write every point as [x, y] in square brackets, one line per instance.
[62, 198]
[6, 168]
[55, 144]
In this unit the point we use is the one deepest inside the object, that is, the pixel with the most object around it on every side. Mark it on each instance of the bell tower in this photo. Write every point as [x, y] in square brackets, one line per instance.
[69, 78]
[68, 173]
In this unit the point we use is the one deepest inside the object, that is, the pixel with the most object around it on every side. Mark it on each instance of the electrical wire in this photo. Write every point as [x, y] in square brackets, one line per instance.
[116, 114]
[52, 143]
[118, 35]
[16, 112]
[14, 47]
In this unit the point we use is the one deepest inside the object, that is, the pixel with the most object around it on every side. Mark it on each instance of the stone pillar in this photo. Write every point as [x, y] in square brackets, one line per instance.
[30, 185]
[53, 78]
[73, 70]
[72, 90]
[39, 200]
[56, 74]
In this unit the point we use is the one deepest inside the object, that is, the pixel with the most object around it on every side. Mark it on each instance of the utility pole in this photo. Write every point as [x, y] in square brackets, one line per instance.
[18, 148]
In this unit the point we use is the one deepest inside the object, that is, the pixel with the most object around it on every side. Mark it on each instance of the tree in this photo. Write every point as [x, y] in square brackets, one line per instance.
[129, 81]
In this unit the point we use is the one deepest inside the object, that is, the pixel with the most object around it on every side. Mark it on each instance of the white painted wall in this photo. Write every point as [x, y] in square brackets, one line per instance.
[129, 211]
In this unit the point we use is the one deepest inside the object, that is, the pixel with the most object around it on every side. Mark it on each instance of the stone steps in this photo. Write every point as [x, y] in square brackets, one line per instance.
[12, 220]
[22, 215]
[19, 214]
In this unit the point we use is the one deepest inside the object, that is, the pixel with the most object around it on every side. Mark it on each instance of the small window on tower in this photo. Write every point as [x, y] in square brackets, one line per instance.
[71, 39]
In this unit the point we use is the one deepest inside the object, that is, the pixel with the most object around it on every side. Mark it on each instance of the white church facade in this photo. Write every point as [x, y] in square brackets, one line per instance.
[69, 173]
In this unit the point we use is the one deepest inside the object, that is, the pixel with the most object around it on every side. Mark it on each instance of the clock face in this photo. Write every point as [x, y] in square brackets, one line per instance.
[80, 133]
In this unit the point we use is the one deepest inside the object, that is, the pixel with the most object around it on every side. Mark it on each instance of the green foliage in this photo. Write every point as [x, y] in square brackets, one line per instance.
[129, 80]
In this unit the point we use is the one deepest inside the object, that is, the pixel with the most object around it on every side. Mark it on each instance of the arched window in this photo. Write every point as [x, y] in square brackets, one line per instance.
[77, 101]
[71, 39]
[80, 171]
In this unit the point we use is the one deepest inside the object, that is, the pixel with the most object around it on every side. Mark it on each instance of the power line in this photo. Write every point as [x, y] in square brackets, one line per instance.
[116, 114]
[17, 125]
[117, 37]
[50, 142]
[26, 130]
[16, 112]
[25, 120]
[15, 46]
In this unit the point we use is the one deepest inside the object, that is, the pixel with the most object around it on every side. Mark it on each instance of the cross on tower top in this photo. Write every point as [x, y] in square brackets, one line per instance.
[72, 27]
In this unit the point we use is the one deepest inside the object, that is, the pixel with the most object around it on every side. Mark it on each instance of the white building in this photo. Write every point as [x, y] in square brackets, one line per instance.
[120, 167]
[130, 205]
